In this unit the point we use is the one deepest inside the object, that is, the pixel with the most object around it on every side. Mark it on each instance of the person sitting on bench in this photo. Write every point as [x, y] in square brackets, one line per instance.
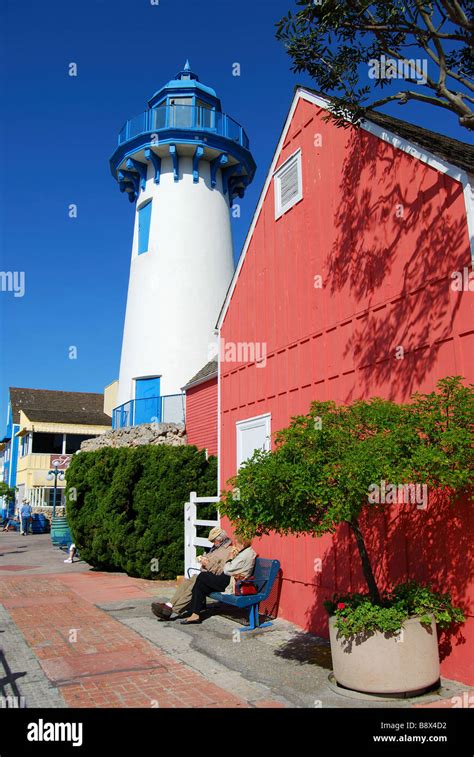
[213, 562]
[239, 567]
[9, 524]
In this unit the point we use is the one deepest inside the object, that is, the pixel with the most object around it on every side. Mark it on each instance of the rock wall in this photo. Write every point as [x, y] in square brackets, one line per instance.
[48, 511]
[135, 436]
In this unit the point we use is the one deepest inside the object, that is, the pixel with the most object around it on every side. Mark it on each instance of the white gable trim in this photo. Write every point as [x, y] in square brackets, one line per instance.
[469, 200]
[420, 153]
[256, 215]
[411, 148]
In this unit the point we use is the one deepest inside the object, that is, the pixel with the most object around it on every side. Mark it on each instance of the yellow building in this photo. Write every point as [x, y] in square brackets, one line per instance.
[51, 427]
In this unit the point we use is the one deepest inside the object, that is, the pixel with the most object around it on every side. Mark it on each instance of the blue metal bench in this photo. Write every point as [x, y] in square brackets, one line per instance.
[264, 575]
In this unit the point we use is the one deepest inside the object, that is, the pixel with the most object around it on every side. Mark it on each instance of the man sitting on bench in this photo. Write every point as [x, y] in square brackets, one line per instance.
[213, 562]
[238, 568]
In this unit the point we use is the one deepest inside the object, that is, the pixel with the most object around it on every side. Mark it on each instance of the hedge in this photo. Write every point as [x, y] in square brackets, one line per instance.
[125, 506]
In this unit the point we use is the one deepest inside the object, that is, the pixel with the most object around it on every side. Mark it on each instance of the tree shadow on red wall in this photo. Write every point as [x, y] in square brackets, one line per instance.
[396, 243]
[433, 546]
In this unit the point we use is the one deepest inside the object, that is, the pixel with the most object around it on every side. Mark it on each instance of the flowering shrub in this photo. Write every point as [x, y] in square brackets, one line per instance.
[356, 613]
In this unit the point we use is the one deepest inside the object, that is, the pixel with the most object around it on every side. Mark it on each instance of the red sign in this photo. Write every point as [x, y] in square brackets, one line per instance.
[62, 461]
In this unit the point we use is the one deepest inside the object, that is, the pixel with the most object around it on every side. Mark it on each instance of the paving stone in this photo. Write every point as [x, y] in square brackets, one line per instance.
[105, 664]
[81, 638]
[20, 672]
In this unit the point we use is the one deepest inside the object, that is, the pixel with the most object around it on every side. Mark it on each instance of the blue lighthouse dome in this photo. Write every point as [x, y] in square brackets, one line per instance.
[185, 80]
[183, 117]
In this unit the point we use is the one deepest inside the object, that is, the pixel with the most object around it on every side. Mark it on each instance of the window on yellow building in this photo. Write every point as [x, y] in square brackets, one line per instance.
[74, 441]
[49, 444]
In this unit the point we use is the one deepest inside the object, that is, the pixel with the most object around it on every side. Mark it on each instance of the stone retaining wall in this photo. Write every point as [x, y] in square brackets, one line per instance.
[48, 511]
[173, 434]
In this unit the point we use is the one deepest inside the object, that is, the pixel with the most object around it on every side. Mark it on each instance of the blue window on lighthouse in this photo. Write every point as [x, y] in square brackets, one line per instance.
[144, 219]
[147, 400]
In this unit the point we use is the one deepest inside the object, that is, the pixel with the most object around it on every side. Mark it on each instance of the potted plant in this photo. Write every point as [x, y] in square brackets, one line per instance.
[334, 465]
[390, 647]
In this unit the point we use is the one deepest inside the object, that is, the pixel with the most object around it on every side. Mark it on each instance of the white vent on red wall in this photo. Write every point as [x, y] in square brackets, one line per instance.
[288, 184]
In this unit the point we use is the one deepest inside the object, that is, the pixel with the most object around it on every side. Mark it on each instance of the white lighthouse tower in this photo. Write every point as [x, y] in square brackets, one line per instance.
[182, 162]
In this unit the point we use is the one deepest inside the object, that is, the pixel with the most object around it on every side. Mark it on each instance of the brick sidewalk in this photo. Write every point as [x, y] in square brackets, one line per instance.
[74, 636]
[93, 659]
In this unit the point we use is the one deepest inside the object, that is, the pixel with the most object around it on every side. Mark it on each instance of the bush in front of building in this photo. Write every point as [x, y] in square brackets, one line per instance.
[125, 506]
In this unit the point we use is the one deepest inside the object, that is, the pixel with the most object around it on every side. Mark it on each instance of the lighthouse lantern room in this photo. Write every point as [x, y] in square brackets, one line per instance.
[182, 162]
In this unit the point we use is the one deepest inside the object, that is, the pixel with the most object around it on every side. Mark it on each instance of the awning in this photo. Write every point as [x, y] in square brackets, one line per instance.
[62, 428]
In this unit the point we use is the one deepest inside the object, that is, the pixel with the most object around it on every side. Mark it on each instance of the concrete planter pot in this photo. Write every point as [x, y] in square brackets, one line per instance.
[381, 663]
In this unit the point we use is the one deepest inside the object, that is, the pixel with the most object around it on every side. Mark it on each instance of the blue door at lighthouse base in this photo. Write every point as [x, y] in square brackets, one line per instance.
[147, 400]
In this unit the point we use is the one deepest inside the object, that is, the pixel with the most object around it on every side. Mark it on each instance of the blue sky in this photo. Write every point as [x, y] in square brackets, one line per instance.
[58, 133]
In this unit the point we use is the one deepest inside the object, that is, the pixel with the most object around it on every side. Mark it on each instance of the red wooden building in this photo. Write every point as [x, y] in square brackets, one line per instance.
[201, 408]
[348, 287]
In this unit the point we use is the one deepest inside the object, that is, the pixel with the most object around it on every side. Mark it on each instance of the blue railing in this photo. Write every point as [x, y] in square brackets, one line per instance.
[166, 409]
[184, 117]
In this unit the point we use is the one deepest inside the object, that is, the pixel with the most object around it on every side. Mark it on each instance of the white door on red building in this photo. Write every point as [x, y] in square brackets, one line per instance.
[252, 434]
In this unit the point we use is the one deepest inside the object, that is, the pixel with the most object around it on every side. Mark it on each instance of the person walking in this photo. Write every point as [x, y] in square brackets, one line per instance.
[25, 515]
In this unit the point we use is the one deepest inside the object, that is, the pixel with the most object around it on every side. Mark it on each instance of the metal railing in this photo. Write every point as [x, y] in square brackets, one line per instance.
[183, 117]
[165, 409]
[40, 496]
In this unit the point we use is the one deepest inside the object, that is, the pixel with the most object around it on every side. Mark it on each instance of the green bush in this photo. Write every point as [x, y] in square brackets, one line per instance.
[125, 506]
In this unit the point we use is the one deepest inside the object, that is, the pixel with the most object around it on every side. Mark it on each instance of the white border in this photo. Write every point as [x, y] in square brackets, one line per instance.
[295, 158]
[253, 422]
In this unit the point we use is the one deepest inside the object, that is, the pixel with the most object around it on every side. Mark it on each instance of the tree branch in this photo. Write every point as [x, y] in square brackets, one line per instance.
[439, 48]
[365, 560]
[442, 89]
[403, 98]
[456, 14]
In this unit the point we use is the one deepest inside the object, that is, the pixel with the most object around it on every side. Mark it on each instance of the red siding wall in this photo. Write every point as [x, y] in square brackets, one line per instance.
[385, 231]
[201, 416]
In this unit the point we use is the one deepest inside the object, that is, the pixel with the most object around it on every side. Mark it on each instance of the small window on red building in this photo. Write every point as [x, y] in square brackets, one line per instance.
[288, 184]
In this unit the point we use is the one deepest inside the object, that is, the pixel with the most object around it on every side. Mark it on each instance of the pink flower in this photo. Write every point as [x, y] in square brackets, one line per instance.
[340, 605]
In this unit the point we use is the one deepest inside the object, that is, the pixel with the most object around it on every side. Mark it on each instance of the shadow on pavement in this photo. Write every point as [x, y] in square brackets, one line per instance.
[9, 689]
[306, 649]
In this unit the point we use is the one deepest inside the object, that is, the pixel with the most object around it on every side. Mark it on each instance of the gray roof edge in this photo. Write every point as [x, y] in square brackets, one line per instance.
[201, 376]
[203, 380]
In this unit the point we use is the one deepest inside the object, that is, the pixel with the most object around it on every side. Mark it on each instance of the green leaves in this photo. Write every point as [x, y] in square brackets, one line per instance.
[356, 613]
[7, 491]
[335, 41]
[324, 463]
[129, 505]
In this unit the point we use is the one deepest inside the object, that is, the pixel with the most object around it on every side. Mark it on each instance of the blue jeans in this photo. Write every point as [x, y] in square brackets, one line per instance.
[24, 524]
